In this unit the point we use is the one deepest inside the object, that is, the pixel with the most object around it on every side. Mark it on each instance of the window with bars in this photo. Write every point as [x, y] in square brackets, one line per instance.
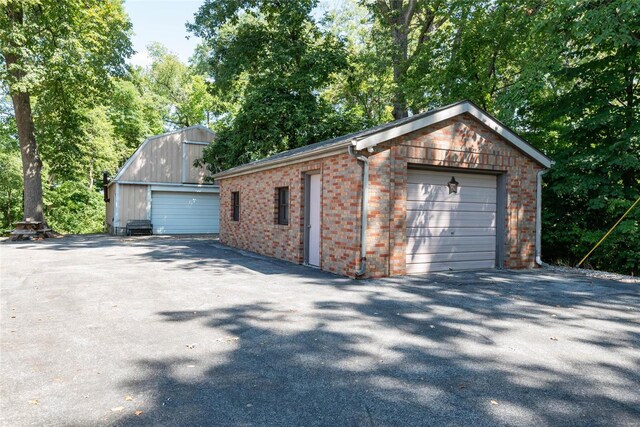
[235, 203]
[282, 205]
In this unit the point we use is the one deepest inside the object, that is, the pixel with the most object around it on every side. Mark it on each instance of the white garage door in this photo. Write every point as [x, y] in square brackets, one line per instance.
[184, 213]
[450, 230]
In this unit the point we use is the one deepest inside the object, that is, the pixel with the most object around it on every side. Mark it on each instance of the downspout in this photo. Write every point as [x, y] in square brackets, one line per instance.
[539, 216]
[364, 210]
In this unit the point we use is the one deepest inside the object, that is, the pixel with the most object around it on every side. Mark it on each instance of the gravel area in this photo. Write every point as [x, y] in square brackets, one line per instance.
[597, 274]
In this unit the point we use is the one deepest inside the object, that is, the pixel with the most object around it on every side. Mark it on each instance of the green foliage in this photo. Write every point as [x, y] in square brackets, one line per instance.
[72, 207]
[133, 112]
[180, 92]
[58, 61]
[275, 61]
[363, 92]
[586, 99]
[10, 170]
[269, 77]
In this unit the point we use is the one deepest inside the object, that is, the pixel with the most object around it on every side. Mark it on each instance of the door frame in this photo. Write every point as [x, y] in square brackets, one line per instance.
[305, 223]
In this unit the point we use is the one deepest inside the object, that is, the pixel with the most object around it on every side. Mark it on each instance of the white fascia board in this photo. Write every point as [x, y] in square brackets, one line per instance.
[455, 110]
[296, 158]
[185, 188]
[167, 184]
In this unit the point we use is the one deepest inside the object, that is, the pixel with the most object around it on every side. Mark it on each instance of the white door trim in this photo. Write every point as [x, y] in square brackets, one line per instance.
[313, 219]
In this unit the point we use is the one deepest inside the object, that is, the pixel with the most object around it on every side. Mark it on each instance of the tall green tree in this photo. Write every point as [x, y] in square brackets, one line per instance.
[363, 91]
[10, 165]
[582, 100]
[181, 90]
[274, 60]
[60, 53]
[409, 25]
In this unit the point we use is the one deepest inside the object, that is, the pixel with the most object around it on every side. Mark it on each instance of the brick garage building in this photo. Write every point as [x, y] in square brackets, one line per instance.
[449, 189]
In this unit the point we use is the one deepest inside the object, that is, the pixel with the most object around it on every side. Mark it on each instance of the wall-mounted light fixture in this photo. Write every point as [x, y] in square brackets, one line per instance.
[453, 185]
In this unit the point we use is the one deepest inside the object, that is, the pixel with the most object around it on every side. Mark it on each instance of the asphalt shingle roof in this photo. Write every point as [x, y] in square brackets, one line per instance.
[335, 141]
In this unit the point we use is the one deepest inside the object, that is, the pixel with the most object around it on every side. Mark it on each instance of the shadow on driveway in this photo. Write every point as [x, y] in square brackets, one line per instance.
[288, 345]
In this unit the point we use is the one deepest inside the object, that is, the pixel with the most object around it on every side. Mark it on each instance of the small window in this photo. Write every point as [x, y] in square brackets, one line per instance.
[235, 201]
[283, 205]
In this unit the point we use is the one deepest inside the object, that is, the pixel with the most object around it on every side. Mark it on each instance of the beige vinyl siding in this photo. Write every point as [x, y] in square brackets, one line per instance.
[194, 175]
[110, 204]
[197, 134]
[159, 160]
[133, 203]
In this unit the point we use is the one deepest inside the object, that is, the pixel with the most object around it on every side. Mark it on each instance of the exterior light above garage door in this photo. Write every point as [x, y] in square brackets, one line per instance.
[453, 185]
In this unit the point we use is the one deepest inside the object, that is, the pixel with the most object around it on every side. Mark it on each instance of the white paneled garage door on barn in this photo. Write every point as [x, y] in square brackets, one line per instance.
[450, 228]
[185, 213]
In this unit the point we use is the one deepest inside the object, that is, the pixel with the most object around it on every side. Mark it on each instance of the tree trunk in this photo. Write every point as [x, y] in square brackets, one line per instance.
[31, 163]
[629, 177]
[400, 35]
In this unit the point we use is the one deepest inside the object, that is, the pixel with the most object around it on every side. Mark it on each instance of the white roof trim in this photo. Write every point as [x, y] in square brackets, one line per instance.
[391, 131]
[151, 138]
[170, 184]
[196, 142]
[185, 189]
[447, 113]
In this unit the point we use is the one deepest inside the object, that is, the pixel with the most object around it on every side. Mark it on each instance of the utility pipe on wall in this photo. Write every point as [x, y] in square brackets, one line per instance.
[539, 216]
[364, 213]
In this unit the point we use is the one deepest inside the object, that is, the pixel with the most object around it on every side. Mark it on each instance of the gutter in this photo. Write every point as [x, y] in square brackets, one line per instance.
[364, 212]
[539, 216]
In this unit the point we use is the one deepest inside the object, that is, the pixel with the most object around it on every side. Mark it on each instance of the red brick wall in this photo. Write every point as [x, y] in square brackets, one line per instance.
[460, 142]
[258, 231]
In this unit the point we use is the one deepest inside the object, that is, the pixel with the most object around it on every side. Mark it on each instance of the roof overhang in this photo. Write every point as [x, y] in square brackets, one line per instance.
[321, 152]
[386, 133]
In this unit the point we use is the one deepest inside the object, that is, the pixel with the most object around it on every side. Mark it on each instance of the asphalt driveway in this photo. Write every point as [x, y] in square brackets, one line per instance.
[108, 331]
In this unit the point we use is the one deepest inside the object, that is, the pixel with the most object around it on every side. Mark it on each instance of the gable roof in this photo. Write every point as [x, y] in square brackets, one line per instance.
[151, 138]
[373, 136]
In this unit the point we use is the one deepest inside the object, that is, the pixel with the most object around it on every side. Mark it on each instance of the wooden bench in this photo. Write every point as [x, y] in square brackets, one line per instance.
[139, 227]
[25, 230]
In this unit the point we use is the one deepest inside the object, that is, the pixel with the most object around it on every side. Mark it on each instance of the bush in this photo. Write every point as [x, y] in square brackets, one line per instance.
[72, 207]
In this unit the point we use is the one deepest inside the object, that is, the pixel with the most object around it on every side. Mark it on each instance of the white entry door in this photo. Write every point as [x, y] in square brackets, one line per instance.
[451, 221]
[184, 213]
[313, 222]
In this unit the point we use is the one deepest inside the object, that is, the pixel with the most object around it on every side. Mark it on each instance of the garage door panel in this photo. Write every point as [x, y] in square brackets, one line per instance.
[442, 178]
[439, 193]
[421, 268]
[458, 257]
[450, 231]
[452, 206]
[452, 240]
[185, 213]
[428, 219]
[419, 245]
